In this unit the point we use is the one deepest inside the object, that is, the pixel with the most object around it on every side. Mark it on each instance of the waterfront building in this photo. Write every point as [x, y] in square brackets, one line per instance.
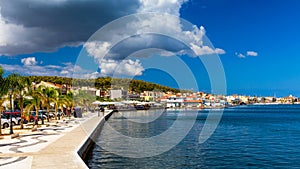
[151, 95]
[174, 102]
[118, 94]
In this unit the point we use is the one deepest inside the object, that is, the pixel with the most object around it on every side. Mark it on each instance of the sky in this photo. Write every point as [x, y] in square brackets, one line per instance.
[187, 44]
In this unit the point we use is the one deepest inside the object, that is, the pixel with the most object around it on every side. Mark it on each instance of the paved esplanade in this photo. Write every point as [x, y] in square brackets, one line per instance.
[51, 147]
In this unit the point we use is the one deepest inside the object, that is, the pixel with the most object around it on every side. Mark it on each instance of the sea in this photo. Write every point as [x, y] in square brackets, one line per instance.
[253, 136]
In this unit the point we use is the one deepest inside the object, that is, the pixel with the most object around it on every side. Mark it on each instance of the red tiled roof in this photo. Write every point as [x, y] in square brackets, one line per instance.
[193, 101]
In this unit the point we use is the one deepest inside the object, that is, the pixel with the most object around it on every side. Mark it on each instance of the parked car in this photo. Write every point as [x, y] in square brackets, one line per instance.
[5, 121]
[14, 114]
[42, 115]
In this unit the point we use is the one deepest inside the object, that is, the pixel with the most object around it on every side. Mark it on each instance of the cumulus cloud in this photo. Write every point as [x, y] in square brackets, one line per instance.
[124, 67]
[252, 53]
[240, 55]
[202, 50]
[96, 49]
[30, 61]
[31, 26]
[65, 70]
[117, 42]
[161, 6]
[147, 32]
[205, 50]
[220, 51]
[248, 53]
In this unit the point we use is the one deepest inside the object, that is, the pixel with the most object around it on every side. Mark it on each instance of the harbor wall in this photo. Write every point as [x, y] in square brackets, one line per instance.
[90, 140]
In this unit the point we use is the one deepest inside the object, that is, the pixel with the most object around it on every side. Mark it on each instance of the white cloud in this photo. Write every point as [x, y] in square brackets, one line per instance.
[252, 53]
[53, 66]
[135, 34]
[220, 51]
[30, 70]
[169, 36]
[240, 55]
[204, 50]
[248, 53]
[30, 61]
[97, 49]
[118, 68]
[31, 28]
[161, 6]
[93, 75]
[65, 70]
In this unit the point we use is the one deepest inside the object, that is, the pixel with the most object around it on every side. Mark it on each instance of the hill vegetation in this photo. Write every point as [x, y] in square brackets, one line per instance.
[105, 83]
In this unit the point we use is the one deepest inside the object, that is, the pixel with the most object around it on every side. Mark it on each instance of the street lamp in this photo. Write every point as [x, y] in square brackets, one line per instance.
[11, 106]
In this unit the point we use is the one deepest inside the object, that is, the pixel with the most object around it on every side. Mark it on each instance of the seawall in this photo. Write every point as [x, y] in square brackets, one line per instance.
[90, 141]
[70, 150]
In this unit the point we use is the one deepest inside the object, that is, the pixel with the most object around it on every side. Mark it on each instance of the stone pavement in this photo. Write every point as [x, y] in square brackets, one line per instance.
[54, 146]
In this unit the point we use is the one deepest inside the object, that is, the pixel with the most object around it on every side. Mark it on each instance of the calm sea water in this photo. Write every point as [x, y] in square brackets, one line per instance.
[246, 137]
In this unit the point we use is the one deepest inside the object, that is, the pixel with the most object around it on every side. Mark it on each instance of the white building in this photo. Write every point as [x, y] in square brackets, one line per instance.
[174, 102]
[118, 94]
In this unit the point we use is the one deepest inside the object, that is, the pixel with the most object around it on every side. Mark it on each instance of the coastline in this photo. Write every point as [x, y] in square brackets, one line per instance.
[47, 149]
[94, 133]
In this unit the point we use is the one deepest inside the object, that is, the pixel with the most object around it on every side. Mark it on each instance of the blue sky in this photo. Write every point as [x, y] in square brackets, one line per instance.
[49, 38]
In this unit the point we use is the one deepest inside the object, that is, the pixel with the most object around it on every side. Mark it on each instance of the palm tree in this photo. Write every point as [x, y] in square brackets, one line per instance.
[56, 101]
[1, 95]
[1, 110]
[35, 103]
[22, 88]
[2, 90]
[49, 95]
[66, 100]
[59, 101]
[17, 84]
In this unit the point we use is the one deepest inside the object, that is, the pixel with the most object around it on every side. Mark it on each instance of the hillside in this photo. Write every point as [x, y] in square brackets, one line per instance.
[105, 83]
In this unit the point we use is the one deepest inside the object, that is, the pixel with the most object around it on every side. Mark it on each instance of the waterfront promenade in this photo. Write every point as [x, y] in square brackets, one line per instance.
[55, 146]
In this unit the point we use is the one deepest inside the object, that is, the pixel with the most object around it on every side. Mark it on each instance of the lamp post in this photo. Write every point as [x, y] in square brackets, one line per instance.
[11, 111]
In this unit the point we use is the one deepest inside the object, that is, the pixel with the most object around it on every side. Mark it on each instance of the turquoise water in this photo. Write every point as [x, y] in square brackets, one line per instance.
[246, 137]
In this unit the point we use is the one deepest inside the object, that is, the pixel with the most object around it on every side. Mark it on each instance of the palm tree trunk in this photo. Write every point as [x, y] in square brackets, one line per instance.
[36, 116]
[0, 123]
[55, 111]
[21, 111]
[48, 111]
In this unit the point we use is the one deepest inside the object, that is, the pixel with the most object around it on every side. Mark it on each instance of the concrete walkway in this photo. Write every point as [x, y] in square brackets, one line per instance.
[49, 150]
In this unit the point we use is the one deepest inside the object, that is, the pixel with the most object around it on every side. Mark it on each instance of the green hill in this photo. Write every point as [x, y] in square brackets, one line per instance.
[105, 83]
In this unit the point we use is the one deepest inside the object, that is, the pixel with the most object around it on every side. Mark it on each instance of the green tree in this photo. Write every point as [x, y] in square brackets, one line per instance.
[49, 94]
[66, 100]
[2, 100]
[61, 100]
[22, 86]
[18, 85]
[35, 102]
[83, 98]
[1, 97]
